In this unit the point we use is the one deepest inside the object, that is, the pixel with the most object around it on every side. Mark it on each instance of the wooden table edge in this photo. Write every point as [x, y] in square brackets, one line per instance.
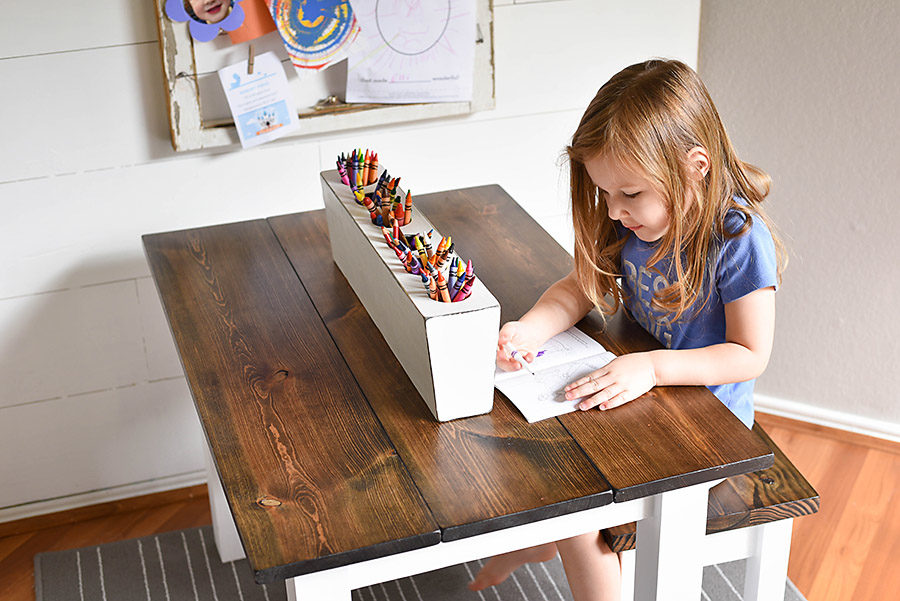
[345, 558]
[527, 516]
[737, 468]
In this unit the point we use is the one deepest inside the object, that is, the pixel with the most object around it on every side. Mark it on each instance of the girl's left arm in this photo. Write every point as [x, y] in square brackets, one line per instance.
[749, 332]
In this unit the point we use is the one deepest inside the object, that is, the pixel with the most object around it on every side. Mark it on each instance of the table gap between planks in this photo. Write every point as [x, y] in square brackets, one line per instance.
[328, 455]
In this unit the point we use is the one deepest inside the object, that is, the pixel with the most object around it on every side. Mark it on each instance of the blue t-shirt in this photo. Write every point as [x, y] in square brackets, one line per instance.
[742, 264]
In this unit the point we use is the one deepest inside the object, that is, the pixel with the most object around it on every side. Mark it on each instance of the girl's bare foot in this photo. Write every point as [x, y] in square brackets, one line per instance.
[498, 568]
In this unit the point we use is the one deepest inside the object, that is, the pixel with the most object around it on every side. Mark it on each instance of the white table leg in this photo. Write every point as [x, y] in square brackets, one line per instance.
[669, 561]
[627, 560]
[318, 586]
[768, 563]
[224, 531]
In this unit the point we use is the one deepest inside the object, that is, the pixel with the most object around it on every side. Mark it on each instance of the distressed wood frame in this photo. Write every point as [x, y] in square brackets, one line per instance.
[190, 132]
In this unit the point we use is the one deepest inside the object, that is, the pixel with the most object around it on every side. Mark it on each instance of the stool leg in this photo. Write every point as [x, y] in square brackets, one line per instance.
[627, 560]
[318, 586]
[225, 532]
[768, 563]
[669, 546]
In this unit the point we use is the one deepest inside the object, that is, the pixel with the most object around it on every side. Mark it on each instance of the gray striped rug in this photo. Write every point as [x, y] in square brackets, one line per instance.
[185, 566]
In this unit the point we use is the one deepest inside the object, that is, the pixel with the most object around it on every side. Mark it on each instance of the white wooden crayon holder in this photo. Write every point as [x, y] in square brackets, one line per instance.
[447, 349]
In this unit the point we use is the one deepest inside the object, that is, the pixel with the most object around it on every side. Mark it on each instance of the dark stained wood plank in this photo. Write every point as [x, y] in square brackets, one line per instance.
[310, 476]
[669, 438]
[777, 493]
[477, 474]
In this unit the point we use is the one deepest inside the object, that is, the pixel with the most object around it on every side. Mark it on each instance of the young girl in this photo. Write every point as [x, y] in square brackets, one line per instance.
[660, 200]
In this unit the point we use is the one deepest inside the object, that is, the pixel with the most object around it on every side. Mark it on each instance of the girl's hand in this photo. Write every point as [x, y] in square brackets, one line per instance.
[521, 336]
[623, 379]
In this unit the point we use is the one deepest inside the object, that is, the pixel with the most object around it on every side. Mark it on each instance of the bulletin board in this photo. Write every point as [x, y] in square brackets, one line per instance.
[198, 114]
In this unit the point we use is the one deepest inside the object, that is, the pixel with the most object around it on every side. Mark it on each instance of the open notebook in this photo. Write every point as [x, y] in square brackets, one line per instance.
[567, 357]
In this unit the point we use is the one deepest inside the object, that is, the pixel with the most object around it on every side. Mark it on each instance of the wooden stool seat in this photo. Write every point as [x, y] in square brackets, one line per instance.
[780, 492]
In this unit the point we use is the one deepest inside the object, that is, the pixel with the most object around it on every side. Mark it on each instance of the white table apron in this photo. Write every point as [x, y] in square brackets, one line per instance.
[668, 524]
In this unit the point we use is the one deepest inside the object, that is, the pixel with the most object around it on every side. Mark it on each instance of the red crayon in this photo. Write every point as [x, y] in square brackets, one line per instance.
[442, 287]
[387, 236]
[370, 206]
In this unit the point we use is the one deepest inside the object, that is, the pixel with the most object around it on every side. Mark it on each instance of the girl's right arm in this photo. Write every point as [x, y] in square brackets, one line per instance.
[558, 309]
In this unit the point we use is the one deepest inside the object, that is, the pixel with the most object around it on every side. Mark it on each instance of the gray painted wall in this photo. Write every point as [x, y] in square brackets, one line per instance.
[810, 91]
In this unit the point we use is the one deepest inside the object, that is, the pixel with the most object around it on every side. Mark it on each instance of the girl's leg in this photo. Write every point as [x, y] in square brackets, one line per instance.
[592, 569]
[498, 568]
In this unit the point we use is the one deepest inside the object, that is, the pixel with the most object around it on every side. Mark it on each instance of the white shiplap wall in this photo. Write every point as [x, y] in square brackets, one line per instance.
[93, 403]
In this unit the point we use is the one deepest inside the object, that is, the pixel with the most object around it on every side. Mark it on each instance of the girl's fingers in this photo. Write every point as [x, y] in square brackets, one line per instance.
[616, 401]
[588, 385]
[607, 398]
[601, 398]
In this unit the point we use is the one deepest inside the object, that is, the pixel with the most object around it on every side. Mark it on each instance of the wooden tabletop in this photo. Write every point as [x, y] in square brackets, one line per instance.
[327, 453]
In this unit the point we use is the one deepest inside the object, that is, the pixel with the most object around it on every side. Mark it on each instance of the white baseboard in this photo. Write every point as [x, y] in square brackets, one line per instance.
[105, 495]
[828, 417]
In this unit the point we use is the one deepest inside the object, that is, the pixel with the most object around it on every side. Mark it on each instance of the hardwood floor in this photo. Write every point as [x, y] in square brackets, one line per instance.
[849, 550]
[143, 516]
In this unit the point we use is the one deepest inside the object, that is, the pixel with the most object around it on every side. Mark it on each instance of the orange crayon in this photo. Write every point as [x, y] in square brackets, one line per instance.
[437, 253]
[407, 217]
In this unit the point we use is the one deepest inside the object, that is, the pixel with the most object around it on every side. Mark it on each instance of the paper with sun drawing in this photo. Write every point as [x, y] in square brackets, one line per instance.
[412, 51]
[316, 33]
[567, 357]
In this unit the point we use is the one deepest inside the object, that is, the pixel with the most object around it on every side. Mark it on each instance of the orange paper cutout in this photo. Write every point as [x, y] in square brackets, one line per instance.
[257, 22]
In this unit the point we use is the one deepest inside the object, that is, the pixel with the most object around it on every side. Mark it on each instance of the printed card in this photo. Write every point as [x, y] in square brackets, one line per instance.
[261, 102]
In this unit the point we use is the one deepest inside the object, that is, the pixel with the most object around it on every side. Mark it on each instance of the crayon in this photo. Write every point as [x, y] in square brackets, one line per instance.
[427, 243]
[437, 252]
[403, 254]
[442, 288]
[407, 213]
[396, 230]
[514, 354]
[442, 252]
[387, 236]
[374, 173]
[351, 173]
[367, 168]
[466, 290]
[457, 285]
[451, 274]
[412, 262]
[367, 202]
[461, 282]
[423, 254]
[432, 288]
[382, 180]
[342, 172]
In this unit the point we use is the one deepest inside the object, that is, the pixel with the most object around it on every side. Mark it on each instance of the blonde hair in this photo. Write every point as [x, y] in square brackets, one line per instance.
[648, 117]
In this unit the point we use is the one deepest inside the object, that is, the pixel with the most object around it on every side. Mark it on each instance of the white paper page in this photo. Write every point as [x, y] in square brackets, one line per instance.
[571, 345]
[566, 357]
[542, 395]
[261, 102]
[412, 51]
